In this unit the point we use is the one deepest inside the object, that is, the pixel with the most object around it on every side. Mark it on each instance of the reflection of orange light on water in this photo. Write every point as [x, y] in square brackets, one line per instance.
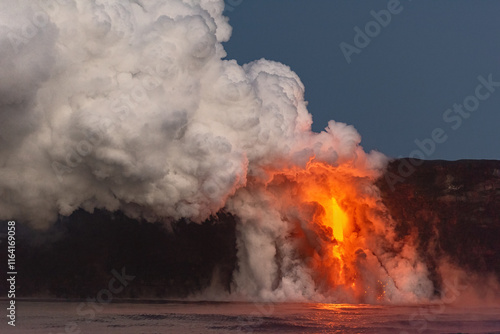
[341, 307]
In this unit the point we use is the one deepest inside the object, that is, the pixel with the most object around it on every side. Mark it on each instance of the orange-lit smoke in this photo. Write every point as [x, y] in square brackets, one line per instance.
[338, 229]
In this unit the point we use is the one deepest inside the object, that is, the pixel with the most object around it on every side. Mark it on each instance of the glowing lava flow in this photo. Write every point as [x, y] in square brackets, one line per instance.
[321, 232]
[329, 205]
[333, 216]
[337, 218]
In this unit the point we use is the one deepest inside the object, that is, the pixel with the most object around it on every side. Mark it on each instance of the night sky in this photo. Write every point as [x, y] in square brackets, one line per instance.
[397, 88]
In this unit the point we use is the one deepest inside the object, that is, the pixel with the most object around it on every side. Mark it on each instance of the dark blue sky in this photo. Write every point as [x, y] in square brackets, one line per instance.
[397, 89]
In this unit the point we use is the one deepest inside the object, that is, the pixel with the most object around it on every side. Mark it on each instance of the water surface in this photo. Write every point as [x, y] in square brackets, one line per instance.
[230, 317]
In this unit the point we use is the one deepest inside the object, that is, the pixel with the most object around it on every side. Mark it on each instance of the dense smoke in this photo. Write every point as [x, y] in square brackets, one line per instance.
[131, 106]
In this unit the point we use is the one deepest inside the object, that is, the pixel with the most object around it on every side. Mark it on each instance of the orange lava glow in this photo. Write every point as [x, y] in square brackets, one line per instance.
[328, 206]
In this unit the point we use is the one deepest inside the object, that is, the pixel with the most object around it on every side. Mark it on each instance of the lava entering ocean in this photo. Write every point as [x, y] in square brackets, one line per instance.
[131, 106]
[334, 242]
[337, 237]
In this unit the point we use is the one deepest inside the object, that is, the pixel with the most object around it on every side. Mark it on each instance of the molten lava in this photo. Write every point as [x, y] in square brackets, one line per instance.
[332, 216]
[329, 208]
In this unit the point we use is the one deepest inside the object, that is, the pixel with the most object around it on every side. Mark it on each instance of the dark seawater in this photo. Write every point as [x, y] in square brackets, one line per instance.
[230, 317]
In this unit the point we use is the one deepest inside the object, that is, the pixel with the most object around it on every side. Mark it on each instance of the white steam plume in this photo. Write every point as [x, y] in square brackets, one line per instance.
[129, 105]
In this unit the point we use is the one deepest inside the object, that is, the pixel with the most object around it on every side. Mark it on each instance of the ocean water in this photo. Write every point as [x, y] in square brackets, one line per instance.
[229, 317]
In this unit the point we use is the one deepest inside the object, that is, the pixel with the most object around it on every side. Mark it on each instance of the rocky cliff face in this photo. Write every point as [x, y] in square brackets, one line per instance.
[76, 257]
[452, 207]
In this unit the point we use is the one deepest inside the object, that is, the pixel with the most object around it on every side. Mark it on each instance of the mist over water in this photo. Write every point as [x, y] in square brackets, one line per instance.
[131, 106]
[212, 317]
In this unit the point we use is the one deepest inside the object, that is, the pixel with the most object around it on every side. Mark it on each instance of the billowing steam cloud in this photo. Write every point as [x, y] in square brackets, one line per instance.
[129, 105]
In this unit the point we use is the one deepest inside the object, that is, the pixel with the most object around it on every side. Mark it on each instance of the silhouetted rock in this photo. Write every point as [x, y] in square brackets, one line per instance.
[75, 257]
[453, 207]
